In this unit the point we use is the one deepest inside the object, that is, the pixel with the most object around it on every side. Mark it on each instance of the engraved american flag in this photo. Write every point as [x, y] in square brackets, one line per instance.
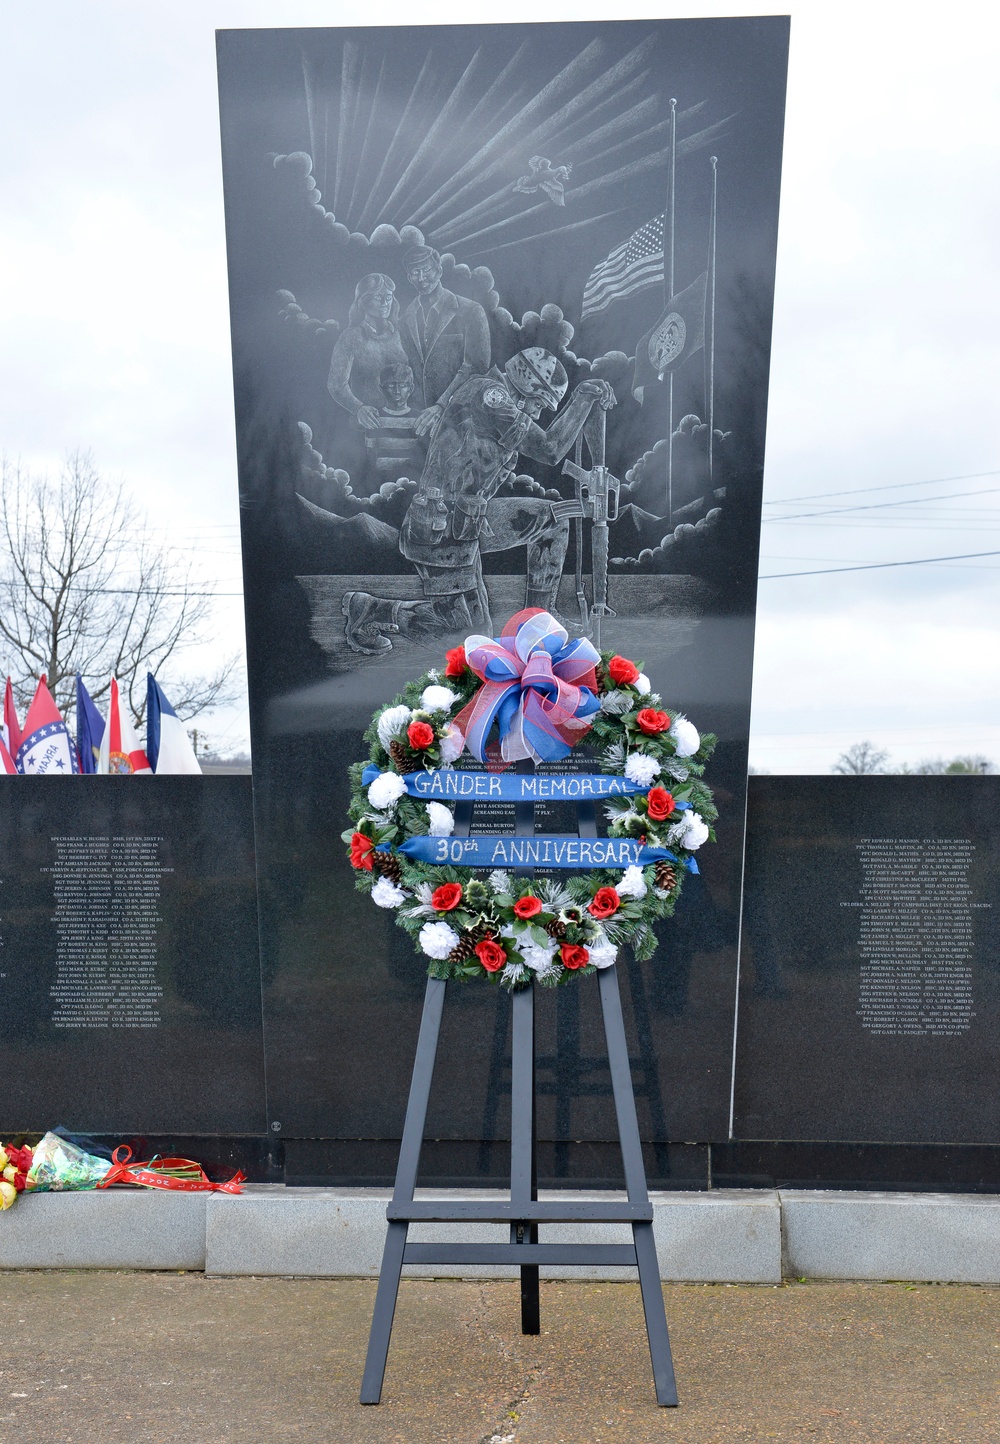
[637, 262]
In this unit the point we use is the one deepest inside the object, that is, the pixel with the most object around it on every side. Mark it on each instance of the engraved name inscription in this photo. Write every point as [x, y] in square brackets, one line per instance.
[915, 936]
[106, 893]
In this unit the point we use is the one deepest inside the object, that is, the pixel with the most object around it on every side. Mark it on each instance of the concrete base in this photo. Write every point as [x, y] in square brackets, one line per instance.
[732, 1235]
[923, 1237]
[722, 1236]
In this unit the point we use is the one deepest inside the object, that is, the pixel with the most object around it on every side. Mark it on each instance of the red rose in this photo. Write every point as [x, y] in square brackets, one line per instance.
[604, 902]
[20, 1179]
[622, 671]
[421, 734]
[361, 851]
[573, 956]
[660, 804]
[651, 721]
[455, 662]
[527, 907]
[446, 897]
[491, 955]
[20, 1157]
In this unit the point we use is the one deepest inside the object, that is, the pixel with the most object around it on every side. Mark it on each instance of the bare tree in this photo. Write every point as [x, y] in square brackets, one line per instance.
[958, 766]
[86, 587]
[861, 759]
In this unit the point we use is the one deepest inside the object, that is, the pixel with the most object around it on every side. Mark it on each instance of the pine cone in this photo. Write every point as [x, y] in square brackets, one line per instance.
[666, 875]
[466, 944]
[404, 758]
[556, 929]
[388, 865]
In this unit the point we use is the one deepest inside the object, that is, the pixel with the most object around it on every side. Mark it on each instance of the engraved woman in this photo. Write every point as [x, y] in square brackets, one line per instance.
[368, 344]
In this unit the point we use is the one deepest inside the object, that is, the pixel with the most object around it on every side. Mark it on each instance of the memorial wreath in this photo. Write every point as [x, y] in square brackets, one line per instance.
[466, 900]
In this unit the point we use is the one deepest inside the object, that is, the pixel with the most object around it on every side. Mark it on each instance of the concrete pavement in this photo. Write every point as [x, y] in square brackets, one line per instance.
[144, 1357]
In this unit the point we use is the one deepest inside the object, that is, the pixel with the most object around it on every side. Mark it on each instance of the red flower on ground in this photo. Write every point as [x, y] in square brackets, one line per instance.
[491, 955]
[659, 803]
[421, 735]
[573, 956]
[604, 902]
[455, 662]
[650, 721]
[446, 897]
[527, 907]
[622, 671]
[361, 851]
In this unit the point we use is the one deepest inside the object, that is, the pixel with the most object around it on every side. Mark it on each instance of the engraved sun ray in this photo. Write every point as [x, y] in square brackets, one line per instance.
[566, 82]
[370, 138]
[350, 73]
[426, 80]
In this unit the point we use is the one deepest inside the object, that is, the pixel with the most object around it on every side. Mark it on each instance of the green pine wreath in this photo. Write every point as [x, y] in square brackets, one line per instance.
[508, 927]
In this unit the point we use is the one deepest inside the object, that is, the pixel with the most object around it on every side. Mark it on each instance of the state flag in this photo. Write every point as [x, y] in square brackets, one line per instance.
[89, 728]
[120, 753]
[46, 748]
[11, 728]
[677, 334]
[167, 744]
[6, 761]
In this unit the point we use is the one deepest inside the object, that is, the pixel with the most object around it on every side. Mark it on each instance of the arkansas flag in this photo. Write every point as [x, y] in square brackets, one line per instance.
[167, 744]
[46, 748]
[678, 333]
[11, 727]
[120, 753]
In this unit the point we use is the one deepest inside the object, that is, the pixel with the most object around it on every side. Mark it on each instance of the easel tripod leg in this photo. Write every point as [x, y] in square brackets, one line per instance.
[385, 1308]
[656, 1318]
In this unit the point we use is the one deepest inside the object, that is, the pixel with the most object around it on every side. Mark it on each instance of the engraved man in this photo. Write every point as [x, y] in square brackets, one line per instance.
[456, 515]
[447, 337]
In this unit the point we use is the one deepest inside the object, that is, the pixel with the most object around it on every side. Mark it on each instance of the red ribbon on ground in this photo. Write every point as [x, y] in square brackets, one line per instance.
[181, 1174]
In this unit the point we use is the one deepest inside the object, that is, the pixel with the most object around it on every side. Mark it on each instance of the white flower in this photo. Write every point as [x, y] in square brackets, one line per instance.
[695, 831]
[438, 699]
[433, 673]
[642, 685]
[386, 790]
[500, 881]
[452, 745]
[537, 958]
[686, 738]
[632, 884]
[441, 819]
[424, 893]
[386, 894]
[437, 940]
[602, 952]
[641, 769]
[391, 724]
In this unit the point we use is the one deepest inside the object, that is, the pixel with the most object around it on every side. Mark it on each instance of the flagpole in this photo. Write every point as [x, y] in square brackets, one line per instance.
[668, 287]
[710, 328]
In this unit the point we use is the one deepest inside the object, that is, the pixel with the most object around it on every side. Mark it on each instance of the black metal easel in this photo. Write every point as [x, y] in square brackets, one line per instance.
[523, 1212]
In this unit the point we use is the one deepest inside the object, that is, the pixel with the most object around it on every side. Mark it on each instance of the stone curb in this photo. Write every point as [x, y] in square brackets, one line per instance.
[723, 1236]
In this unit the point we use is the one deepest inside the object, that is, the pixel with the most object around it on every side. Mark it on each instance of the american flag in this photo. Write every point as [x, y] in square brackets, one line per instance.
[637, 262]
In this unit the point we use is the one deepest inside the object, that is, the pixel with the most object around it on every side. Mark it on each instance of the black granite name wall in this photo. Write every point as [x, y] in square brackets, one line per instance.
[129, 958]
[870, 971]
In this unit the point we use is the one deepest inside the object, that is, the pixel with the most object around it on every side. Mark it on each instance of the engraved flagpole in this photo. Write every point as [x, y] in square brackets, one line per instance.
[710, 321]
[668, 289]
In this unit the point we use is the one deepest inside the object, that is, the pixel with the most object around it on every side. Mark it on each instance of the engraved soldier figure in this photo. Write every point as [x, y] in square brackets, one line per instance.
[455, 514]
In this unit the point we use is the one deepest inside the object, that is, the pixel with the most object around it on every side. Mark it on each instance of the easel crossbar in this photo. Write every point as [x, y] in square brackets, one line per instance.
[499, 1211]
[610, 1255]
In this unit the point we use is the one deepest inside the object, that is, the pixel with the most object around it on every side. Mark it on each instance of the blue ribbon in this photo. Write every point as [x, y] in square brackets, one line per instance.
[578, 853]
[453, 785]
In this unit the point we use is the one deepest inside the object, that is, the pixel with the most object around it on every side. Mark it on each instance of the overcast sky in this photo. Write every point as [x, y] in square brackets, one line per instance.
[884, 371]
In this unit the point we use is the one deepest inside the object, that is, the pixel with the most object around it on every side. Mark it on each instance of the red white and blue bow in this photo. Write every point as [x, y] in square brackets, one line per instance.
[537, 685]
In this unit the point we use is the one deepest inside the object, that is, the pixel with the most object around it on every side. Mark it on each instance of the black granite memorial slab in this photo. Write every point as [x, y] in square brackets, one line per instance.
[129, 968]
[870, 976]
[409, 212]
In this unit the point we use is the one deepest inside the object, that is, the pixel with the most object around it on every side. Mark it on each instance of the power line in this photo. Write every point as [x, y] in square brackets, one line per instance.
[881, 505]
[893, 486]
[875, 566]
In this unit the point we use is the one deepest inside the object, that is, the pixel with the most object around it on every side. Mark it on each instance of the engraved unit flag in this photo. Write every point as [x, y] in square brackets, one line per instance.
[677, 334]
